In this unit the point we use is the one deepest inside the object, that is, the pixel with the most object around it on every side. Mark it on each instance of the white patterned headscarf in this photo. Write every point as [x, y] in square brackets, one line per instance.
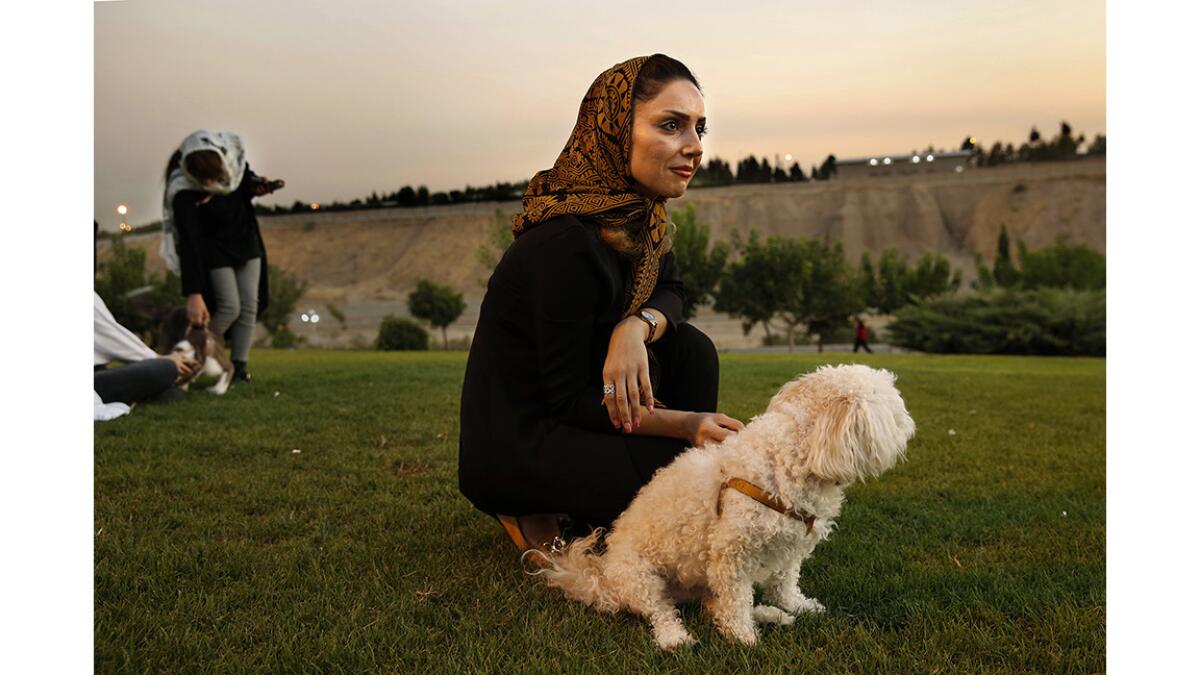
[228, 146]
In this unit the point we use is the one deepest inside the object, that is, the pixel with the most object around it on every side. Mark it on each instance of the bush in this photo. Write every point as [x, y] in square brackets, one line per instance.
[136, 302]
[399, 334]
[284, 290]
[1046, 321]
[284, 338]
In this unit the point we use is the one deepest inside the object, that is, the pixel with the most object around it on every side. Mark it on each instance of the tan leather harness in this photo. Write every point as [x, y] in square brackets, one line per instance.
[763, 497]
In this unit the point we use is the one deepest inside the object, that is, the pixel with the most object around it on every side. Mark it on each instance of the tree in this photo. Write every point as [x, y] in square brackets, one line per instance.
[1003, 270]
[699, 268]
[996, 156]
[1034, 136]
[747, 170]
[830, 295]
[796, 173]
[802, 282]
[983, 274]
[893, 268]
[868, 284]
[437, 304]
[829, 168]
[748, 289]
[135, 301]
[932, 276]
[406, 196]
[1062, 265]
[496, 240]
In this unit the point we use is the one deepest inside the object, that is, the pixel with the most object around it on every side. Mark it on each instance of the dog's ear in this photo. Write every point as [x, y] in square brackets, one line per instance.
[833, 446]
[856, 437]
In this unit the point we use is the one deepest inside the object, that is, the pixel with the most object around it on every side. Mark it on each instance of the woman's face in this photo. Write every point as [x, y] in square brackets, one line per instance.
[666, 140]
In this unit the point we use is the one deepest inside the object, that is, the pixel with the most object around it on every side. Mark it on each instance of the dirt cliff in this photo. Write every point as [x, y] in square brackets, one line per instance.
[366, 262]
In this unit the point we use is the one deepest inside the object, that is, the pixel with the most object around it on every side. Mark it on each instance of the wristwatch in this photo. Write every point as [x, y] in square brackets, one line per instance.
[650, 321]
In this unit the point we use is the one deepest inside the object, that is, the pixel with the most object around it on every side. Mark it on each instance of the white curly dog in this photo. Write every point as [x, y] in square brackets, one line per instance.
[749, 510]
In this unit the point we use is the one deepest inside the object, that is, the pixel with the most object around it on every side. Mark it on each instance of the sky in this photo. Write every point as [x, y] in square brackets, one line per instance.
[342, 98]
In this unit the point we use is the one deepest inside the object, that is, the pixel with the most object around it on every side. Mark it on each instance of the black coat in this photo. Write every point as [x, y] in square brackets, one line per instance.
[534, 436]
[221, 232]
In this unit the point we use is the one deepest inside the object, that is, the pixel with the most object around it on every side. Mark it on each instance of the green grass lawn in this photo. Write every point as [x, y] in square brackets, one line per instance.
[311, 522]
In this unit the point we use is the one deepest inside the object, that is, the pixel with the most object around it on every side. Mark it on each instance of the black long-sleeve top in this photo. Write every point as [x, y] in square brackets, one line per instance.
[539, 348]
[221, 232]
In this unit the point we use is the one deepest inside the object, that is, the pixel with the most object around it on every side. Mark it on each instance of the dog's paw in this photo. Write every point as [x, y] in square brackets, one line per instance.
[672, 638]
[809, 606]
[742, 634]
[769, 614]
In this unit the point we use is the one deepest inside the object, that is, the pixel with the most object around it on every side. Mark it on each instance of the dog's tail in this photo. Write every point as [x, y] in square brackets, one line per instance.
[578, 570]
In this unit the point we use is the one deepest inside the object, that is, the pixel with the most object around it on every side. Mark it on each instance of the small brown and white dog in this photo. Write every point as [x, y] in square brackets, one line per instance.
[726, 516]
[198, 344]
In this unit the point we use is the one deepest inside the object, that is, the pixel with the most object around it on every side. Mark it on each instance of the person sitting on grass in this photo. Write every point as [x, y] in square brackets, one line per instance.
[581, 328]
[146, 376]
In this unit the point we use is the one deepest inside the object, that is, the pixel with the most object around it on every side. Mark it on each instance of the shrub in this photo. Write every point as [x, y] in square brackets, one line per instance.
[283, 292]
[284, 338]
[136, 301]
[400, 334]
[1045, 321]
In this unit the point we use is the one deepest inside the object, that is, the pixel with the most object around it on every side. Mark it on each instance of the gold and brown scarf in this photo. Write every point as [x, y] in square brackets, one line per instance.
[592, 178]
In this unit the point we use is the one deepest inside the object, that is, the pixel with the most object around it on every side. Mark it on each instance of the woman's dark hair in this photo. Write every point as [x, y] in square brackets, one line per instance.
[657, 72]
[201, 164]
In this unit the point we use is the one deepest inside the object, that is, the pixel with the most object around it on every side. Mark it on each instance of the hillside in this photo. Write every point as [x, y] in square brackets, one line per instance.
[366, 262]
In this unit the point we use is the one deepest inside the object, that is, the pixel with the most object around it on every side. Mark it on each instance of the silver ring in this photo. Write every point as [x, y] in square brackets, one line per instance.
[610, 389]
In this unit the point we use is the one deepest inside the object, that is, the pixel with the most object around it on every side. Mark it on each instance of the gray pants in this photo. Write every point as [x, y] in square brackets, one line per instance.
[236, 292]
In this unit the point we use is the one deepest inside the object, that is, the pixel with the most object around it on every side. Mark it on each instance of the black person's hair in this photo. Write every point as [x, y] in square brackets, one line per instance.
[657, 72]
[202, 164]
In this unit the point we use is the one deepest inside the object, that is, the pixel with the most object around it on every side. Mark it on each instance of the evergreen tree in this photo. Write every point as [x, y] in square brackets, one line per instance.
[1003, 270]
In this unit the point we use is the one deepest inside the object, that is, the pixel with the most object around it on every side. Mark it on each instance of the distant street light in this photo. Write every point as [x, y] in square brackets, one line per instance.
[122, 210]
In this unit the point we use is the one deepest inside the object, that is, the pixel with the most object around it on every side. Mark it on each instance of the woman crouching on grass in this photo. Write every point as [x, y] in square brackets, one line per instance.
[581, 328]
[211, 237]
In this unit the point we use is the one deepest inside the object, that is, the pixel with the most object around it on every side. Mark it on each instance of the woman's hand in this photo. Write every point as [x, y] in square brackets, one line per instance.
[627, 368]
[711, 428]
[265, 186]
[197, 311]
[184, 367]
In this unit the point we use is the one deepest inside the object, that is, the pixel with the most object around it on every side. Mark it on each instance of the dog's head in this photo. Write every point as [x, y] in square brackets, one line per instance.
[852, 420]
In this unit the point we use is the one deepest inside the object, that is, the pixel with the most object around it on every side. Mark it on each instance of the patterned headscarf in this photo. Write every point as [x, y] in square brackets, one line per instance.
[592, 178]
[228, 147]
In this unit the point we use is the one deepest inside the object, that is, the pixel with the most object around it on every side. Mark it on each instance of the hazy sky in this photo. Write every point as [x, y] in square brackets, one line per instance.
[341, 98]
